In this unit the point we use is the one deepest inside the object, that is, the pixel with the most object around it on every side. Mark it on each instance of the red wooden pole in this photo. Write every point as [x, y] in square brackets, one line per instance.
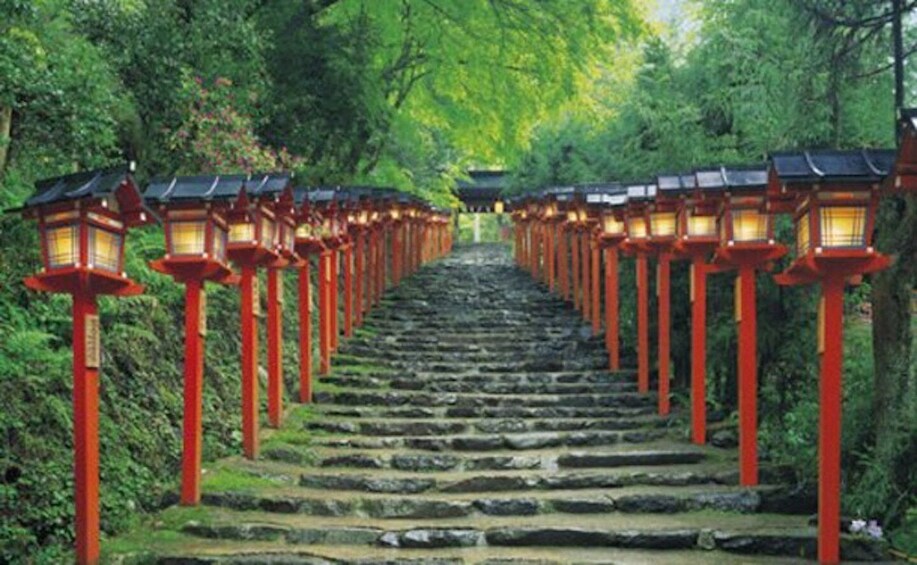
[274, 348]
[370, 269]
[348, 290]
[360, 282]
[748, 377]
[396, 255]
[698, 351]
[596, 299]
[85, 434]
[380, 265]
[643, 354]
[563, 264]
[324, 312]
[829, 422]
[249, 364]
[611, 309]
[586, 282]
[334, 298]
[662, 298]
[193, 389]
[551, 253]
[305, 333]
[574, 274]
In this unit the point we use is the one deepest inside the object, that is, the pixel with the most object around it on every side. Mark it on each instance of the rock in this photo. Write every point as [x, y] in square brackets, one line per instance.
[671, 539]
[583, 506]
[499, 463]
[477, 443]
[439, 538]
[487, 483]
[507, 507]
[287, 455]
[361, 483]
[425, 462]
[333, 536]
[725, 439]
[561, 537]
[356, 460]
[743, 501]
[706, 540]
[413, 508]
[244, 532]
[533, 441]
[650, 503]
[585, 460]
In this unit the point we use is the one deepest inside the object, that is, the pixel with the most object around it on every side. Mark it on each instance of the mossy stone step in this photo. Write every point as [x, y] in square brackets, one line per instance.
[460, 400]
[433, 427]
[484, 411]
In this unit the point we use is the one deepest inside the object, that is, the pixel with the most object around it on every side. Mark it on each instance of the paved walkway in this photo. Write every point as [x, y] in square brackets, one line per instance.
[471, 421]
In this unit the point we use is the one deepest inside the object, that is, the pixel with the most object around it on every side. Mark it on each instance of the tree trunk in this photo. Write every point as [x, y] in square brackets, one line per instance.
[892, 290]
[6, 125]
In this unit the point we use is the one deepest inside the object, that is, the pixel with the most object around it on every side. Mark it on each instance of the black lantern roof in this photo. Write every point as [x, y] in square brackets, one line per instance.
[267, 185]
[98, 183]
[198, 187]
[909, 116]
[808, 167]
[732, 179]
[559, 193]
[640, 191]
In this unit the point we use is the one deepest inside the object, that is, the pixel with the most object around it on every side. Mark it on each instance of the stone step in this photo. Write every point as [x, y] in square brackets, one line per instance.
[386, 507]
[493, 442]
[459, 384]
[433, 427]
[438, 462]
[580, 363]
[517, 481]
[775, 535]
[390, 353]
[382, 344]
[229, 552]
[446, 412]
[462, 400]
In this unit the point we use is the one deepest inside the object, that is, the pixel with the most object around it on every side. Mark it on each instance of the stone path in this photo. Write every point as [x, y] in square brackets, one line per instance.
[472, 421]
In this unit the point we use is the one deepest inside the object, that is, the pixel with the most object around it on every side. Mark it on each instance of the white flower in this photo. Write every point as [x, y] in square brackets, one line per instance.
[857, 526]
[874, 530]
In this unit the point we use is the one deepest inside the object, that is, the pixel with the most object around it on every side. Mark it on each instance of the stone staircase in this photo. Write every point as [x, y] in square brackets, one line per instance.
[472, 421]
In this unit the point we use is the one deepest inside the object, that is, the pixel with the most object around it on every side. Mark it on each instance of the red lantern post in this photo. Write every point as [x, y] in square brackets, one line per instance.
[611, 236]
[833, 196]
[697, 239]
[635, 244]
[662, 213]
[308, 244]
[747, 244]
[83, 220]
[193, 211]
[253, 242]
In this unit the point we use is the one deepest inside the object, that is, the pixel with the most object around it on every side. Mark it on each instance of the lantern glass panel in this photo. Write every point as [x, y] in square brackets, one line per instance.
[363, 218]
[571, 216]
[304, 230]
[63, 246]
[611, 225]
[242, 232]
[701, 226]
[843, 226]
[749, 225]
[187, 238]
[662, 224]
[636, 227]
[395, 213]
[803, 235]
[498, 207]
[219, 243]
[268, 232]
[104, 249]
[583, 215]
[550, 210]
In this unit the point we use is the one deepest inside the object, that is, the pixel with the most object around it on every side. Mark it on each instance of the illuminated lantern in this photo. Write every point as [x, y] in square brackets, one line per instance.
[308, 243]
[498, 207]
[193, 211]
[83, 220]
[253, 243]
[637, 243]
[747, 244]
[613, 232]
[835, 195]
[323, 203]
[697, 239]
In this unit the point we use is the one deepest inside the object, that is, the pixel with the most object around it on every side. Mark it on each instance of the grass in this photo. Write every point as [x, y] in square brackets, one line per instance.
[159, 534]
[225, 479]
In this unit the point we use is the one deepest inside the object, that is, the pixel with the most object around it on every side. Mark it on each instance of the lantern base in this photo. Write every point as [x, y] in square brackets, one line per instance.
[307, 247]
[251, 254]
[748, 254]
[81, 280]
[835, 263]
[193, 269]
